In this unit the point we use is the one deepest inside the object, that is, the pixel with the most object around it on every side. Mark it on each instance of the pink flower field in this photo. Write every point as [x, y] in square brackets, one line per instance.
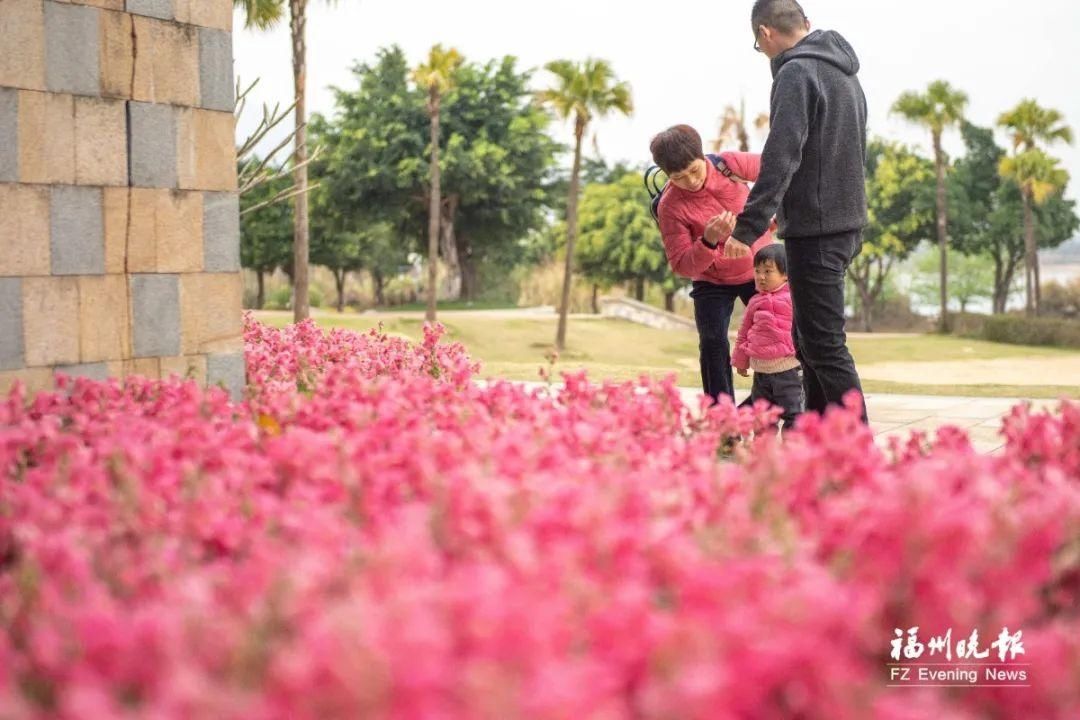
[373, 534]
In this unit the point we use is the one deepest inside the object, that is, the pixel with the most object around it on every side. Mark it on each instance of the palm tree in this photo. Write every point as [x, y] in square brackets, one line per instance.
[1039, 177]
[265, 14]
[938, 109]
[733, 128]
[437, 77]
[1030, 124]
[582, 91]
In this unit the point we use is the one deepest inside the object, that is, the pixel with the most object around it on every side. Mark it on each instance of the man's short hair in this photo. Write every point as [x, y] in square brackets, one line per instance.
[784, 16]
[675, 148]
[774, 252]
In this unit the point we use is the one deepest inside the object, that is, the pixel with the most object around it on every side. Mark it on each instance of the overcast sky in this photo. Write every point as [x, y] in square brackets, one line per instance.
[685, 64]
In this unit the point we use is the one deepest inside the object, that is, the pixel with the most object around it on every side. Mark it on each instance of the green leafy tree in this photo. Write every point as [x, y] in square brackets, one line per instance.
[620, 241]
[496, 161]
[989, 210]
[1036, 173]
[581, 92]
[900, 203]
[971, 279]
[436, 77]
[498, 171]
[265, 234]
[938, 109]
[264, 14]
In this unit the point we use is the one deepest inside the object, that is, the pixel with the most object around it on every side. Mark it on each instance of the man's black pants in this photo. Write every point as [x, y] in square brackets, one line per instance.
[816, 268]
[713, 305]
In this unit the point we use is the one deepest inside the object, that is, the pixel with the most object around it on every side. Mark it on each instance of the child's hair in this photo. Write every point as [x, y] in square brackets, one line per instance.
[675, 148]
[774, 252]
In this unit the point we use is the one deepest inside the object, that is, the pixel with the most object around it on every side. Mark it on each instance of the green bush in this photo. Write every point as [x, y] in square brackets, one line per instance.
[279, 299]
[1022, 330]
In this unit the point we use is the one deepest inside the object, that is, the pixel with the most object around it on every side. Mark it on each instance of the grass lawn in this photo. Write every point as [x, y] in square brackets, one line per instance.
[514, 348]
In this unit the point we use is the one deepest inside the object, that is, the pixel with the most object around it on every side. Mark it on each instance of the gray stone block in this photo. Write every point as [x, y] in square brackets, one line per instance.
[155, 305]
[92, 371]
[12, 356]
[221, 232]
[152, 145]
[76, 231]
[215, 70]
[162, 9]
[228, 371]
[9, 135]
[72, 61]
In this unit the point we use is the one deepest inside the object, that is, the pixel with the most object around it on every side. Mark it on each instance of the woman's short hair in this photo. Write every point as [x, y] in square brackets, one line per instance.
[675, 148]
[774, 252]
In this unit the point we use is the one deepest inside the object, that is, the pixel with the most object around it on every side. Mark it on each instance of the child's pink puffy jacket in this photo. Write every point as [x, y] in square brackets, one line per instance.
[765, 333]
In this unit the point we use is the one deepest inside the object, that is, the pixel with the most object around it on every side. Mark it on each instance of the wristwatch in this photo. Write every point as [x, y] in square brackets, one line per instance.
[708, 244]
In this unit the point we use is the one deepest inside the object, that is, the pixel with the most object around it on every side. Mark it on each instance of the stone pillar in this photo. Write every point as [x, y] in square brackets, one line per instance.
[119, 219]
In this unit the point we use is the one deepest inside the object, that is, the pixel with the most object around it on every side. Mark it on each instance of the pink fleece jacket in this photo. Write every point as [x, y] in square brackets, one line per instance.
[765, 333]
[683, 215]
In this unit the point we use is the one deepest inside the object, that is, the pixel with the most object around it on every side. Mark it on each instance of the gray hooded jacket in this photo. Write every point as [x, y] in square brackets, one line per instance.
[812, 168]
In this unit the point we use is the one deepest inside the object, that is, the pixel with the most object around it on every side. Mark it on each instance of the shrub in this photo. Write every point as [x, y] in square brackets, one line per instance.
[1022, 330]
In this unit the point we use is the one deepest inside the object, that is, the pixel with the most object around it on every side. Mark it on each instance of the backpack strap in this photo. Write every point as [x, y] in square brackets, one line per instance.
[724, 170]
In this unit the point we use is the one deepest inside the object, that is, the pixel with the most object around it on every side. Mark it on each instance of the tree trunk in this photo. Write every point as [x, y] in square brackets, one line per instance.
[1000, 290]
[260, 295]
[639, 289]
[379, 282]
[470, 273]
[867, 310]
[942, 230]
[595, 299]
[1036, 280]
[297, 26]
[434, 209]
[669, 300]
[1030, 276]
[450, 249]
[571, 232]
[339, 281]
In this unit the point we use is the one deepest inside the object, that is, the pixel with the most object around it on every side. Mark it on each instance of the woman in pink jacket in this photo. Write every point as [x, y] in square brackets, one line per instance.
[765, 344]
[697, 214]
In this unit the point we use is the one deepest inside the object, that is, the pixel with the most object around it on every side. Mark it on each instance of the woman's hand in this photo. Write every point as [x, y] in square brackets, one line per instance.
[719, 228]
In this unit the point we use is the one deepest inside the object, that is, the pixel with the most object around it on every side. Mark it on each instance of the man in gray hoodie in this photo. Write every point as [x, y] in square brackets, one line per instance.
[813, 180]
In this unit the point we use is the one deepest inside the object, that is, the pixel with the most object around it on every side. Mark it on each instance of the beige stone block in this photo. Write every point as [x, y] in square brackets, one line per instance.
[22, 44]
[117, 55]
[104, 4]
[207, 13]
[185, 148]
[24, 230]
[51, 321]
[104, 319]
[179, 231]
[142, 367]
[115, 202]
[166, 63]
[34, 380]
[206, 150]
[100, 142]
[46, 138]
[190, 367]
[141, 235]
[166, 231]
[211, 312]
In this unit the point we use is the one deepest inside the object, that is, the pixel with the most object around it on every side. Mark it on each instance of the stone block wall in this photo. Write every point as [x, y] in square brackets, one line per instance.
[119, 219]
